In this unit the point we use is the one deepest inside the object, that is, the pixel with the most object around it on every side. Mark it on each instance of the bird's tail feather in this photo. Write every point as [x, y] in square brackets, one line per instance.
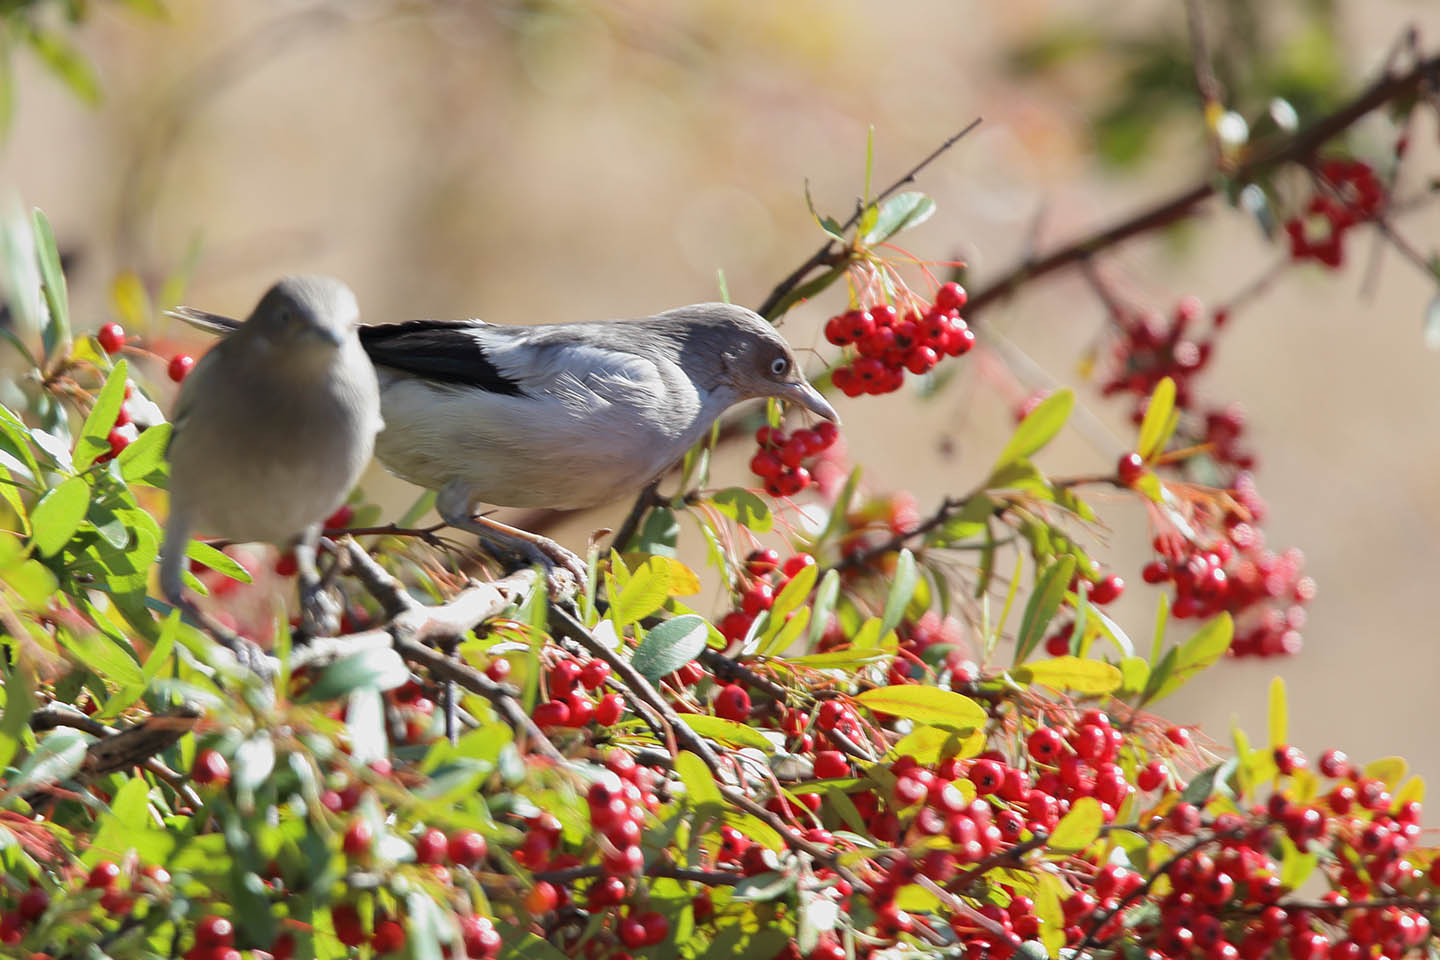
[204, 320]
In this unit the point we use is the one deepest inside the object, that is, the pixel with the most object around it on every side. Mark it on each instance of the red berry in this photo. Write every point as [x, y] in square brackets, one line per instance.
[118, 441]
[921, 359]
[552, 713]
[542, 898]
[103, 875]
[1107, 590]
[210, 767]
[987, 775]
[1130, 468]
[111, 337]
[286, 565]
[758, 598]
[389, 937]
[1045, 744]
[1185, 818]
[732, 703]
[760, 563]
[348, 928]
[214, 931]
[950, 296]
[795, 564]
[431, 847]
[831, 765]
[609, 709]
[33, 903]
[358, 839]
[766, 464]
[1178, 736]
[180, 366]
[1334, 764]
[467, 848]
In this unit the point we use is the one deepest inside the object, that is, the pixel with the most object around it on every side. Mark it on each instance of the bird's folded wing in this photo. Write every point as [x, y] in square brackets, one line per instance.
[441, 351]
[204, 320]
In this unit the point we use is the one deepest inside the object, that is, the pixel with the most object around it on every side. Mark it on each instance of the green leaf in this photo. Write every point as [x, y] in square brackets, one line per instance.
[102, 655]
[101, 419]
[844, 659]
[823, 606]
[647, 591]
[902, 588]
[1079, 828]
[1038, 428]
[670, 645]
[1157, 417]
[67, 63]
[57, 329]
[59, 514]
[1295, 866]
[900, 212]
[57, 756]
[1207, 645]
[728, 732]
[144, 460]
[659, 534]
[218, 561]
[745, 508]
[1391, 770]
[1213, 780]
[520, 944]
[700, 785]
[34, 582]
[19, 705]
[1073, 674]
[377, 667]
[930, 745]
[790, 598]
[928, 705]
[1279, 718]
[1050, 588]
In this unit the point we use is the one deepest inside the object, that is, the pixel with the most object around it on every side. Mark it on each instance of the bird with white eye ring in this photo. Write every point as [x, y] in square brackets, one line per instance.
[561, 416]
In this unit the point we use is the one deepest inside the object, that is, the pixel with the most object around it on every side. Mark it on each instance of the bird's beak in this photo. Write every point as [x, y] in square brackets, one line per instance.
[809, 398]
[328, 335]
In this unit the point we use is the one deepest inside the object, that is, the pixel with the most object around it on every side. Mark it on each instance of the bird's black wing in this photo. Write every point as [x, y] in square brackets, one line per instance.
[444, 351]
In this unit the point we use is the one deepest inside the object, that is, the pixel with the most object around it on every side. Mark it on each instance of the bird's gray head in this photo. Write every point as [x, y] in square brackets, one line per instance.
[721, 344]
[305, 312]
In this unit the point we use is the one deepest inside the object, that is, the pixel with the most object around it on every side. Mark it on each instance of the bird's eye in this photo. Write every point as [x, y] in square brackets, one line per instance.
[779, 365]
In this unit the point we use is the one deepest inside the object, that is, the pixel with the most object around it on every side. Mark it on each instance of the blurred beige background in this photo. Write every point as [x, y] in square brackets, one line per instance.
[540, 162]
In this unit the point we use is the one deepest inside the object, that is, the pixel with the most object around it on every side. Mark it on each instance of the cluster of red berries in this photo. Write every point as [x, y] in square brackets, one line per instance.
[917, 637]
[887, 343]
[120, 888]
[1368, 835]
[569, 705]
[1150, 348]
[1350, 193]
[1230, 570]
[764, 577]
[780, 459]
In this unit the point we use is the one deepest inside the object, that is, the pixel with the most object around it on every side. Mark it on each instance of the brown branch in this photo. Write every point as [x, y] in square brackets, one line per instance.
[829, 255]
[1301, 146]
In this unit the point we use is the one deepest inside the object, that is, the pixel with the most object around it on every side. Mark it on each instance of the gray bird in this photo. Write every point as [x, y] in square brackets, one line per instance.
[272, 429]
[561, 415]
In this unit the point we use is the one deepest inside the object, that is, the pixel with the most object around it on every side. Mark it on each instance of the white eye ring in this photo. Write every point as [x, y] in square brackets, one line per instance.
[779, 365]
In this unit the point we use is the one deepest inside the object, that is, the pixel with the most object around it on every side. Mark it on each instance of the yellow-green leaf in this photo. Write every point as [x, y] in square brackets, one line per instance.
[699, 782]
[930, 745]
[726, 731]
[1039, 427]
[1157, 418]
[1279, 717]
[929, 705]
[59, 514]
[1072, 673]
[1040, 609]
[647, 591]
[1078, 828]
[1389, 769]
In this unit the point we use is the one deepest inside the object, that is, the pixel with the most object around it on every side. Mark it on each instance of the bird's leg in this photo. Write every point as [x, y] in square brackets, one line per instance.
[319, 611]
[172, 585]
[454, 506]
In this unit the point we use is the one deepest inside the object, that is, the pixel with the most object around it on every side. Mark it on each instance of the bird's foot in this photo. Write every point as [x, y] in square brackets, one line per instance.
[319, 610]
[565, 573]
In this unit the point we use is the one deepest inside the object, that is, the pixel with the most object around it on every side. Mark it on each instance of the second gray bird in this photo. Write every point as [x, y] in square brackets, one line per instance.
[271, 430]
[562, 415]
